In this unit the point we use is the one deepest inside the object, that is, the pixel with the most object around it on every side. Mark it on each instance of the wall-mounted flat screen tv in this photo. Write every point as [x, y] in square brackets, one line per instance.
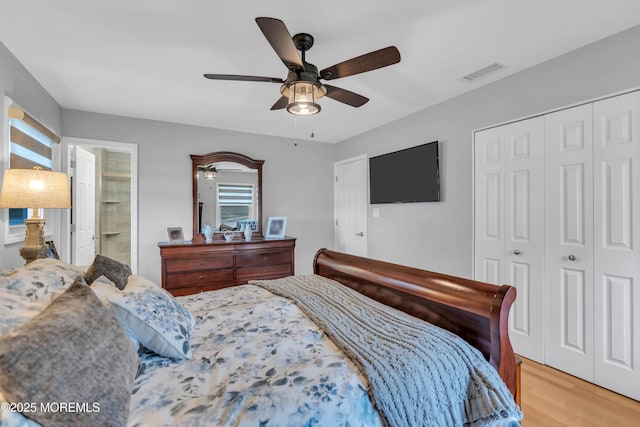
[411, 175]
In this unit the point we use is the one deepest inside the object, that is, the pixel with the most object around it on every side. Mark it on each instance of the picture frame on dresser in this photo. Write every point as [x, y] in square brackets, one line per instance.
[276, 227]
[175, 235]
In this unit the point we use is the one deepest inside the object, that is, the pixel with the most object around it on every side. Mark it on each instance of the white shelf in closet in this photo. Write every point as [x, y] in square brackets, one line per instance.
[116, 175]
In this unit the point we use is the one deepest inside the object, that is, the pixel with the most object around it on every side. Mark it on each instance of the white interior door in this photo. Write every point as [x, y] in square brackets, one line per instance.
[84, 201]
[350, 204]
[569, 235]
[524, 234]
[509, 228]
[617, 243]
[489, 206]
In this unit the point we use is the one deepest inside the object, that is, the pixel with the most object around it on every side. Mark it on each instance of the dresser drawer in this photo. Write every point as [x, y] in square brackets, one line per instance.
[175, 265]
[263, 258]
[199, 278]
[263, 272]
[197, 267]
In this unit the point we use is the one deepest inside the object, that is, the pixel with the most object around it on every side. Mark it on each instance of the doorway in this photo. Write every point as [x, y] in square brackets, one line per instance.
[106, 225]
[350, 202]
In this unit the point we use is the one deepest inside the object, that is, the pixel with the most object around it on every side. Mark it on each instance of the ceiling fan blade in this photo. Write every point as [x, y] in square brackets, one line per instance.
[244, 78]
[346, 96]
[280, 103]
[367, 62]
[278, 36]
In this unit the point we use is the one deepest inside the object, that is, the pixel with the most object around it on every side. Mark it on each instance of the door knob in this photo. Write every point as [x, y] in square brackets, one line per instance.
[516, 252]
[572, 257]
[360, 234]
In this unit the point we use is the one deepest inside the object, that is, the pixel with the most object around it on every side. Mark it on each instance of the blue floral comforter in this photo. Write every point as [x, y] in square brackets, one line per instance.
[257, 361]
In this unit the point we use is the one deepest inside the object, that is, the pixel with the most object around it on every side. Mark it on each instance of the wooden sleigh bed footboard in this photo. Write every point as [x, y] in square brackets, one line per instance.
[476, 311]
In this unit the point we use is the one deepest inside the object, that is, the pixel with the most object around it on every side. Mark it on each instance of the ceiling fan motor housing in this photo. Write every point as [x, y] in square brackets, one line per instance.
[303, 41]
[309, 75]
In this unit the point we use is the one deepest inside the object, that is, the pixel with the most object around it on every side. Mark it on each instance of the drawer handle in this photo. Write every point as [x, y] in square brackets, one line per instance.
[201, 262]
[201, 276]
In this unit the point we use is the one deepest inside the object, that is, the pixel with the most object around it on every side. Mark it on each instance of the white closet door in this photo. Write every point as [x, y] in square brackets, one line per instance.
[489, 206]
[524, 234]
[509, 229]
[617, 243]
[569, 241]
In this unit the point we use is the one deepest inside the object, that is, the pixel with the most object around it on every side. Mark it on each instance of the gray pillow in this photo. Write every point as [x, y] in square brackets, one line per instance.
[113, 270]
[75, 351]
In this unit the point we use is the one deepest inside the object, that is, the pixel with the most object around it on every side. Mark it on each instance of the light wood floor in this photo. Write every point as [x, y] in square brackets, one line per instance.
[552, 398]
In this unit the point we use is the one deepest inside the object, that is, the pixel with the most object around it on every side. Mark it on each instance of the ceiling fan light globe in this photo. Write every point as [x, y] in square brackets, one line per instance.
[302, 97]
[303, 108]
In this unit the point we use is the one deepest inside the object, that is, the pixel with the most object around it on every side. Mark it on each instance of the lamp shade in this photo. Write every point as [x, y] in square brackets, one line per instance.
[34, 188]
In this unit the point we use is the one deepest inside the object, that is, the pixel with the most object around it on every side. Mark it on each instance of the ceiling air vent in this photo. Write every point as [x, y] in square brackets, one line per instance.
[483, 72]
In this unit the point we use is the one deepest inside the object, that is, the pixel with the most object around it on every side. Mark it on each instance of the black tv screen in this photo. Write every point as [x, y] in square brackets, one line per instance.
[407, 176]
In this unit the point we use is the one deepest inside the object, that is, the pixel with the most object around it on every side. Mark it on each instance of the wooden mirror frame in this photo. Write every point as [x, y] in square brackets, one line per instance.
[224, 156]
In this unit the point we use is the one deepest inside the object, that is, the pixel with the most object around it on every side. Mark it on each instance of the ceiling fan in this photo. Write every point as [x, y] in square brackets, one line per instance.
[302, 87]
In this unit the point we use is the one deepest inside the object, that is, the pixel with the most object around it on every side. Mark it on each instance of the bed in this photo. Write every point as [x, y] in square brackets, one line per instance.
[275, 352]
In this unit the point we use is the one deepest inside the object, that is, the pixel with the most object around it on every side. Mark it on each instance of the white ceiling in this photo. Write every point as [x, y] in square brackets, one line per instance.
[145, 58]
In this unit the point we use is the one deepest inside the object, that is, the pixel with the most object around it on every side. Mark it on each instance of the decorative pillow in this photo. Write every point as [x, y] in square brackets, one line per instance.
[114, 270]
[75, 352]
[16, 309]
[153, 316]
[39, 278]
[7, 271]
[104, 287]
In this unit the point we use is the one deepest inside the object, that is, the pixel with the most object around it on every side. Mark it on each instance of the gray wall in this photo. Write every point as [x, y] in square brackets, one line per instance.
[17, 83]
[438, 236]
[297, 179]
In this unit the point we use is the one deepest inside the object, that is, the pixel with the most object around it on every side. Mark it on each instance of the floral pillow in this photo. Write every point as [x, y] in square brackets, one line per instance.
[40, 278]
[16, 309]
[151, 315]
[104, 287]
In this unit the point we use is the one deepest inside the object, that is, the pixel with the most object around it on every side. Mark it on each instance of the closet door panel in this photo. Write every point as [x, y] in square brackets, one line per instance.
[616, 243]
[489, 206]
[524, 233]
[569, 241]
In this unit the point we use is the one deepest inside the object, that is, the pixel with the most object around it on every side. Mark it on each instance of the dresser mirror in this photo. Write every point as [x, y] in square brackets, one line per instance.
[227, 192]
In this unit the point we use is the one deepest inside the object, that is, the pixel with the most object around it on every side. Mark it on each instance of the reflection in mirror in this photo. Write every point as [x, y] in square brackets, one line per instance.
[227, 192]
[227, 195]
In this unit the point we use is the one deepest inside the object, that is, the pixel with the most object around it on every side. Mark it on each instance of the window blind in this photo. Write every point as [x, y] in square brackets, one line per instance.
[30, 146]
[31, 142]
[229, 194]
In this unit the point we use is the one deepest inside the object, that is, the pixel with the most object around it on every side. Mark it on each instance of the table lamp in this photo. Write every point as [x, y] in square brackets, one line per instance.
[34, 188]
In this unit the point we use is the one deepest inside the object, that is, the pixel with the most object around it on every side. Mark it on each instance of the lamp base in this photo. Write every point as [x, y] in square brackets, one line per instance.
[34, 246]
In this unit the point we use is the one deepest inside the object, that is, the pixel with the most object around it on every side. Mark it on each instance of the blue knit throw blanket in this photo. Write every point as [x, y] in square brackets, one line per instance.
[419, 374]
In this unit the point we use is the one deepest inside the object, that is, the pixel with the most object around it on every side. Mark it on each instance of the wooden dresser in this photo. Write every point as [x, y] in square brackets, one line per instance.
[195, 267]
